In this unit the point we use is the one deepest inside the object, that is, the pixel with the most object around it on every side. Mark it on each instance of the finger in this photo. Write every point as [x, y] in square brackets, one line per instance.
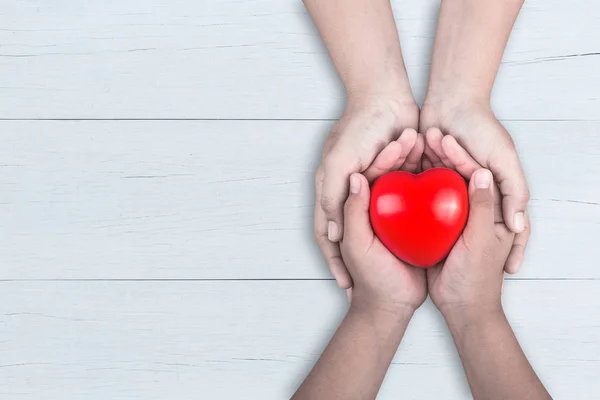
[337, 170]
[481, 202]
[466, 165]
[513, 185]
[515, 258]
[436, 154]
[410, 142]
[434, 160]
[392, 156]
[460, 159]
[330, 250]
[426, 163]
[358, 232]
[413, 159]
[384, 161]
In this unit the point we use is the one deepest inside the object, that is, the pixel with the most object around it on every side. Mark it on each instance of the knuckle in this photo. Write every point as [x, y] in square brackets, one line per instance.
[526, 230]
[321, 239]
[526, 195]
[483, 200]
[317, 233]
[505, 235]
[344, 163]
[334, 159]
[329, 205]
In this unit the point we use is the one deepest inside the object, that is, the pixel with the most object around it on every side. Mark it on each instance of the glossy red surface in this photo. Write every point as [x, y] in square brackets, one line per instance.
[419, 217]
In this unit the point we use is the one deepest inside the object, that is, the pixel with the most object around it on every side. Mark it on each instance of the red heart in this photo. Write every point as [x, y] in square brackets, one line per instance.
[419, 217]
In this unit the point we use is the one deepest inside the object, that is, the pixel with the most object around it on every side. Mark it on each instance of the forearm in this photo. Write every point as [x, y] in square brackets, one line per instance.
[357, 358]
[470, 41]
[363, 42]
[494, 363]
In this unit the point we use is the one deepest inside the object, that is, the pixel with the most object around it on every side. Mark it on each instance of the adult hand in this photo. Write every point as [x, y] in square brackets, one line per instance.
[490, 146]
[365, 129]
[381, 281]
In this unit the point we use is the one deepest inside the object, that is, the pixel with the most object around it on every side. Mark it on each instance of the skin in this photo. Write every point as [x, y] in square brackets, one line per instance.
[362, 40]
[466, 289]
[470, 40]
[383, 298]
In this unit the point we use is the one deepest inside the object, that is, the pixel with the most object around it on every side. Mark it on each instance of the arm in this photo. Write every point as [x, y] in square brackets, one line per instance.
[357, 358]
[495, 365]
[385, 295]
[469, 43]
[470, 40]
[467, 290]
[363, 42]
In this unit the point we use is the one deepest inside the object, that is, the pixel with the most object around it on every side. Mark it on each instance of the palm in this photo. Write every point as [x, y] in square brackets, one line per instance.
[377, 274]
[473, 139]
[444, 279]
[407, 284]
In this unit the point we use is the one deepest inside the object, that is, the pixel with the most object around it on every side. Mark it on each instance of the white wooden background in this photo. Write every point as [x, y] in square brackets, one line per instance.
[156, 162]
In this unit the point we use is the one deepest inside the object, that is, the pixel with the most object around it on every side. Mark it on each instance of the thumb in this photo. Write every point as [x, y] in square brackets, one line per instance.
[357, 226]
[481, 199]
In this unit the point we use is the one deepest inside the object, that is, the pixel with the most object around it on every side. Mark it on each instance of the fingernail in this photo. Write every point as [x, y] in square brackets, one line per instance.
[483, 179]
[349, 295]
[354, 184]
[502, 288]
[519, 221]
[332, 231]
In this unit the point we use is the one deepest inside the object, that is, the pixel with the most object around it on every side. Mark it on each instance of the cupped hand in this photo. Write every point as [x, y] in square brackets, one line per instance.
[381, 282]
[490, 146]
[471, 276]
[353, 145]
[444, 151]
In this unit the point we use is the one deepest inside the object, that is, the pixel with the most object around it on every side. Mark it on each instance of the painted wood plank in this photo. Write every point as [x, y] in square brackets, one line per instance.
[234, 199]
[259, 59]
[257, 340]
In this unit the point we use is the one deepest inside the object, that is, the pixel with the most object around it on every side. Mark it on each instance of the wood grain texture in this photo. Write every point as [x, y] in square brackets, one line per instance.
[257, 340]
[259, 60]
[234, 199]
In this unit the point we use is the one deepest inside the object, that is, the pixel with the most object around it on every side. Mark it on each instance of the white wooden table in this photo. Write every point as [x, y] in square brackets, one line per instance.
[156, 163]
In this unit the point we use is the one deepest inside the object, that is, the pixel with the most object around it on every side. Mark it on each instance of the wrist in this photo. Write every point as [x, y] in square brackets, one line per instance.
[462, 319]
[404, 110]
[446, 113]
[381, 315]
[392, 92]
[452, 91]
[451, 103]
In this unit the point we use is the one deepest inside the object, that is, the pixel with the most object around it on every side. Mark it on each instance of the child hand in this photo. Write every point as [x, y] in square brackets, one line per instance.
[444, 151]
[381, 281]
[472, 275]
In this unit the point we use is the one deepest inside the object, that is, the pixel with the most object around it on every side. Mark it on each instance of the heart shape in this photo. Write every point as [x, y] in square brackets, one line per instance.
[420, 217]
